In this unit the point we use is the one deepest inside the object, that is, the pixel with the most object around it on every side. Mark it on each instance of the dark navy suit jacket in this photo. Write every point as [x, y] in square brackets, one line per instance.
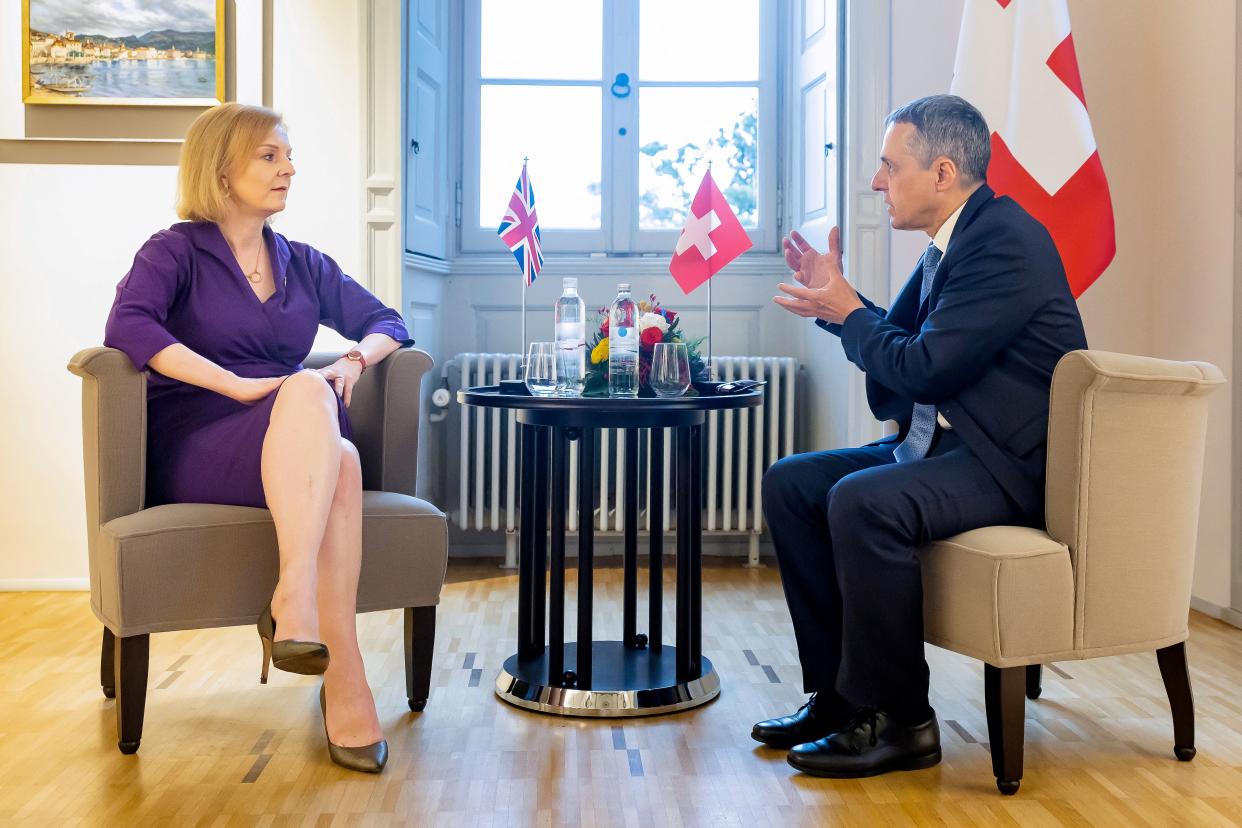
[983, 345]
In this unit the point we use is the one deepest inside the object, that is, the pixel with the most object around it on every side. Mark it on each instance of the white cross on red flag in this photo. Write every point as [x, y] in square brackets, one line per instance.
[1016, 63]
[712, 238]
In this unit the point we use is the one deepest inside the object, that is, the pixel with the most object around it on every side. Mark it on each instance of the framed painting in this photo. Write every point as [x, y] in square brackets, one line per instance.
[156, 52]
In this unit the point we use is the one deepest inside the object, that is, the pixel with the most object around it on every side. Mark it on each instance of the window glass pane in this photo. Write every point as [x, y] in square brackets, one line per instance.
[564, 167]
[681, 130]
[542, 39]
[699, 40]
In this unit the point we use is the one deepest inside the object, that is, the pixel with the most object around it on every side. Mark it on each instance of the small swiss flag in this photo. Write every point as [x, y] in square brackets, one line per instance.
[712, 238]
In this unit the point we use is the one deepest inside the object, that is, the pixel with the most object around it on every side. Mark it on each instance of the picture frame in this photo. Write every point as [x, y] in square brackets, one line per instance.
[168, 66]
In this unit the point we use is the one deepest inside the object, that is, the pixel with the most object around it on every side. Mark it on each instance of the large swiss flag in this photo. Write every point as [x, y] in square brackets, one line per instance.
[1016, 63]
[712, 238]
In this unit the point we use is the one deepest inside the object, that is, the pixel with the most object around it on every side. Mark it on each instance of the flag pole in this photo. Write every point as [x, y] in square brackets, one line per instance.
[711, 369]
[525, 285]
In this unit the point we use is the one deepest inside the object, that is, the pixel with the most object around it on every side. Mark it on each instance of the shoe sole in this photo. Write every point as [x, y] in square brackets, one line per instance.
[307, 664]
[783, 744]
[915, 763]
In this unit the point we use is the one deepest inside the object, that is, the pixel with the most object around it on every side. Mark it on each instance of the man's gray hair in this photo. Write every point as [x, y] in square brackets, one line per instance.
[950, 126]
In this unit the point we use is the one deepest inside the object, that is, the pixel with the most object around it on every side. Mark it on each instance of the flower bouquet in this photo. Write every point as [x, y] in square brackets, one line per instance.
[655, 324]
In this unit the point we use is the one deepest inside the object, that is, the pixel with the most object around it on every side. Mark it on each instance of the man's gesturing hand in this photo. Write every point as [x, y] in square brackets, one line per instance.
[805, 261]
[822, 291]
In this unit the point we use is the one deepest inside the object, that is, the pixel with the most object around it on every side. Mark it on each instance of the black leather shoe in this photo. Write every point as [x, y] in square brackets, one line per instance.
[811, 722]
[872, 744]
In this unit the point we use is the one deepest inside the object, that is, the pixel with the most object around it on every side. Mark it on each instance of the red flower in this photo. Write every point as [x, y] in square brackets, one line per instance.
[603, 328]
[650, 337]
[669, 316]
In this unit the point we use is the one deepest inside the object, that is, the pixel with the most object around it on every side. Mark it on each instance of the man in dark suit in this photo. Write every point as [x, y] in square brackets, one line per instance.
[963, 362]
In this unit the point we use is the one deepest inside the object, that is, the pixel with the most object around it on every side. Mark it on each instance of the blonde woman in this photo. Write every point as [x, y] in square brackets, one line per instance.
[223, 310]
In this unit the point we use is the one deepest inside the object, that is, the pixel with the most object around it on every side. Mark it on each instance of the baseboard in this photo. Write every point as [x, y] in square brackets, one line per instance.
[1230, 616]
[44, 584]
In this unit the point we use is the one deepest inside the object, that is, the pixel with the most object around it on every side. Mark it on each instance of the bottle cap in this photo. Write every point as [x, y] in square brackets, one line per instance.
[569, 282]
[623, 287]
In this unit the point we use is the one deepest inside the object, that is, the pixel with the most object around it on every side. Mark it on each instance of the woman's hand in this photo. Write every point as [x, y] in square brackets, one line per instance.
[250, 390]
[342, 375]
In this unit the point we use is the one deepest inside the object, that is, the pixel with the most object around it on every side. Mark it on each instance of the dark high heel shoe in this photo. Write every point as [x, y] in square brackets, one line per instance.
[366, 759]
[309, 658]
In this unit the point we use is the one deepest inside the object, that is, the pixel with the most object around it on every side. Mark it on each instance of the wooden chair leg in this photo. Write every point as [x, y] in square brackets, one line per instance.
[1176, 677]
[1034, 681]
[420, 639]
[106, 674]
[130, 661]
[1006, 708]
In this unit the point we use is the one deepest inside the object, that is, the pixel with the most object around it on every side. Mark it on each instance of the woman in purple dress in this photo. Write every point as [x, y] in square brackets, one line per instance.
[223, 310]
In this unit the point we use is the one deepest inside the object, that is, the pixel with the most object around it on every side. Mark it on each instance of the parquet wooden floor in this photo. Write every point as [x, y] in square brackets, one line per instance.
[219, 749]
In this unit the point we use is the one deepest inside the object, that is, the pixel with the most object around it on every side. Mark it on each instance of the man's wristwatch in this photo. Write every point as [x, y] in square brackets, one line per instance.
[356, 356]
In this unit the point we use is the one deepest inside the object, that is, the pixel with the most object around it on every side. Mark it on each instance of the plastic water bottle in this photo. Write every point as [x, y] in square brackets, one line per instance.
[623, 345]
[570, 340]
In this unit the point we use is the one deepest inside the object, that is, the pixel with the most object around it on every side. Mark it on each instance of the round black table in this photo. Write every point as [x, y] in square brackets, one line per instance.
[638, 675]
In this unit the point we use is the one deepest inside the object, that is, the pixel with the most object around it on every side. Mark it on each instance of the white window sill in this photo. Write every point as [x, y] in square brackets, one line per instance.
[748, 265]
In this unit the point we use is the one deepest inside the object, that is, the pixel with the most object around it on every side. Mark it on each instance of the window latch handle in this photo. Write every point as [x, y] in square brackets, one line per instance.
[621, 86]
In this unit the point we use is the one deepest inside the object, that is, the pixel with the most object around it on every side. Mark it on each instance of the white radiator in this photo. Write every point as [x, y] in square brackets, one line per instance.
[740, 445]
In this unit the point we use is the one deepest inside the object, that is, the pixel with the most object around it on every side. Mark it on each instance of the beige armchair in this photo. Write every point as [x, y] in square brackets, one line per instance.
[1112, 574]
[186, 566]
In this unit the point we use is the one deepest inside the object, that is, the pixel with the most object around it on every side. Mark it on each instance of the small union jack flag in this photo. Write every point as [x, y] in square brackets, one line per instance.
[519, 229]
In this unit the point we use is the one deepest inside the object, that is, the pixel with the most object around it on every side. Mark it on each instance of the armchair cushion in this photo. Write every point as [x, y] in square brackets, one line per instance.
[1002, 594]
[176, 567]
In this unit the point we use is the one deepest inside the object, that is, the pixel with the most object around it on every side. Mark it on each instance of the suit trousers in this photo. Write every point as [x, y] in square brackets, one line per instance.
[846, 524]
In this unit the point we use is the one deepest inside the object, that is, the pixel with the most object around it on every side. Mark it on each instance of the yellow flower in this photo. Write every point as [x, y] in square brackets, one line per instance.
[600, 353]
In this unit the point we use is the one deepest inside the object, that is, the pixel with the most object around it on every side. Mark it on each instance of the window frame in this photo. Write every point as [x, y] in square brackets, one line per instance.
[619, 233]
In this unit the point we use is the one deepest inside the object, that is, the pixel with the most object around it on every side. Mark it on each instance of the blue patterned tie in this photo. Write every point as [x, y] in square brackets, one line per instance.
[923, 419]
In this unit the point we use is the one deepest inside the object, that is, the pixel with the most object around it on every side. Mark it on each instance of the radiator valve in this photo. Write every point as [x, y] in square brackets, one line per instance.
[440, 398]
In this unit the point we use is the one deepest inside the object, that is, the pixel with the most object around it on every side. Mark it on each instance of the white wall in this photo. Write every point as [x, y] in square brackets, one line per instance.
[68, 233]
[1187, 110]
[1159, 81]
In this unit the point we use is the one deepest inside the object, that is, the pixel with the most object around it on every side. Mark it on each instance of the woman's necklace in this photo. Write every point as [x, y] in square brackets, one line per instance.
[254, 276]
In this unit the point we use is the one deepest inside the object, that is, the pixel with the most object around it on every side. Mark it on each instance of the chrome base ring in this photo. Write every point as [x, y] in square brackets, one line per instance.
[624, 682]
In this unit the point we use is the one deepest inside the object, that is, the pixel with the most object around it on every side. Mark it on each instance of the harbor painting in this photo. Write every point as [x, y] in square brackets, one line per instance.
[158, 52]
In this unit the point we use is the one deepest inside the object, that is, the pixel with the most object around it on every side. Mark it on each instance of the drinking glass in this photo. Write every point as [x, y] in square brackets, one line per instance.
[670, 369]
[541, 369]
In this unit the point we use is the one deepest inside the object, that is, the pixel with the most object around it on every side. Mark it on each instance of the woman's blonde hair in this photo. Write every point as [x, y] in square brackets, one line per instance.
[218, 140]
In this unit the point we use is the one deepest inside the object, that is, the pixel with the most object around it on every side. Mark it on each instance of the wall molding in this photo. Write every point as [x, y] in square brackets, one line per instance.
[868, 67]
[45, 584]
[382, 79]
[92, 151]
[1224, 614]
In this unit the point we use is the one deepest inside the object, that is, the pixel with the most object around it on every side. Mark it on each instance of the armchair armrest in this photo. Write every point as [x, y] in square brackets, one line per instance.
[1126, 442]
[114, 435]
[384, 413]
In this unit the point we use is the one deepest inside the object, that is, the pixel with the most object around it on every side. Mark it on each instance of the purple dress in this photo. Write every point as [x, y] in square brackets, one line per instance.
[185, 286]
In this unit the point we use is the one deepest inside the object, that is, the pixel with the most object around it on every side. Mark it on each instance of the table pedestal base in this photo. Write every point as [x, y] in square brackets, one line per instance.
[624, 682]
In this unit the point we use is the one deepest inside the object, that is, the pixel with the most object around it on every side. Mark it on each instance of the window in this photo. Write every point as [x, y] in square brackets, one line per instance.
[620, 106]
